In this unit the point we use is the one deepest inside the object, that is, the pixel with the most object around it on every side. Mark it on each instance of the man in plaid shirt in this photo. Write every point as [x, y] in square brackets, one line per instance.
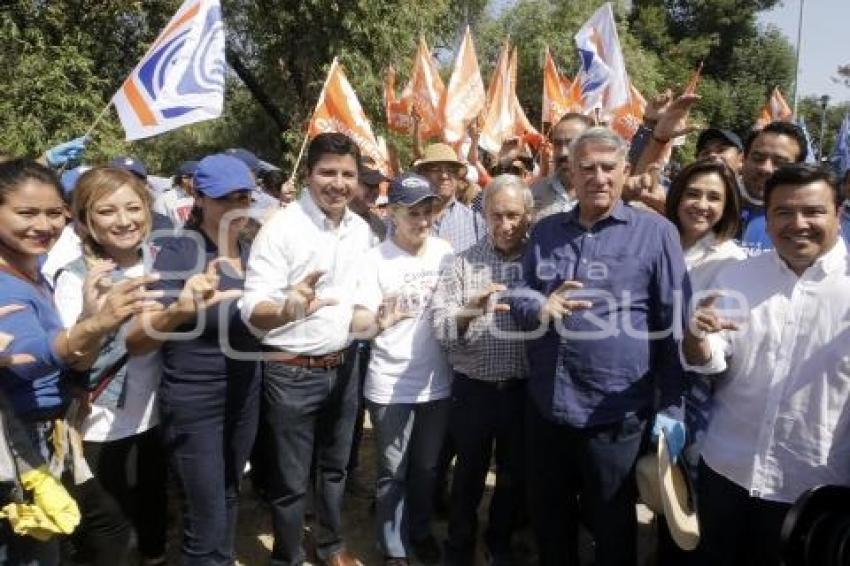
[488, 393]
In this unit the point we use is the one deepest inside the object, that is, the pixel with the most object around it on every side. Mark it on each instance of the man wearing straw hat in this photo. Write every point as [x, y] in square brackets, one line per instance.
[456, 222]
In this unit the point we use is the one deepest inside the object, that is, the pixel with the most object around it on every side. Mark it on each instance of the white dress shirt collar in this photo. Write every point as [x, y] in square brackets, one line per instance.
[317, 215]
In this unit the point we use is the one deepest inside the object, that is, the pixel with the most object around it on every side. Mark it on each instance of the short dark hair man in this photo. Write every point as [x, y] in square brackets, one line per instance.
[725, 144]
[765, 151]
[553, 194]
[303, 268]
[779, 412]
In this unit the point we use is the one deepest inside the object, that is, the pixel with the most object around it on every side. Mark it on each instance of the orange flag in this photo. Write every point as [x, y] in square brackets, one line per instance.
[555, 102]
[339, 110]
[627, 118]
[522, 125]
[398, 111]
[424, 91]
[500, 110]
[774, 110]
[464, 98]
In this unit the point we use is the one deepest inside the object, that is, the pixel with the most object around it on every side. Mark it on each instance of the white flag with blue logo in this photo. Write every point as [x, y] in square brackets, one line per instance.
[180, 80]
[602, 77]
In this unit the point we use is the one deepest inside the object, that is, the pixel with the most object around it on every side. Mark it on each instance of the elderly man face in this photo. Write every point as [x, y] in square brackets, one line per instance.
[598, 171]
[508, 217]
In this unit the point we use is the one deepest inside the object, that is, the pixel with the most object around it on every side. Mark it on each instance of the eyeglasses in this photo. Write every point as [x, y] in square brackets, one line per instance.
[440, 168]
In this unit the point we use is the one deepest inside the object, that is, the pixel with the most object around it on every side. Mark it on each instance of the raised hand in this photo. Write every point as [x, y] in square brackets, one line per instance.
[706, 320]
[558, 304]
[201, 290]
[673, 118]
[481, 302]
[125, 299]
[391, 312]
[301, 299]
[96, 285]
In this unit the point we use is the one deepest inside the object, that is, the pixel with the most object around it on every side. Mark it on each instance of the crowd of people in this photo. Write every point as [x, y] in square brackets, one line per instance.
[552, 315]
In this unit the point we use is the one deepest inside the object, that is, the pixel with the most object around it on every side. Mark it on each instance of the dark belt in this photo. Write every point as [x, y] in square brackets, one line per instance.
[499, 385]
[327, 361]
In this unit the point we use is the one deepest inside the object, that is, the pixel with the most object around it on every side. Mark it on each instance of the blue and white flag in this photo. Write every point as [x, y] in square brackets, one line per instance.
[810, 151]
[840, 158]
[180, 80]
[602, 77]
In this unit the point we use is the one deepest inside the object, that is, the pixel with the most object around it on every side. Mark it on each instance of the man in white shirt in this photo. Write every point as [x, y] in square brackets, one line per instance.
[778, 330]
[298, 288]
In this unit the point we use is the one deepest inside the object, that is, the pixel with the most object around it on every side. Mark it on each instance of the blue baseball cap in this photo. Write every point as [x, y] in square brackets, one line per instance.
[69, 178]
[186, 169]
[219, 175]
[410, 189]
[246, 157]
[131, 164]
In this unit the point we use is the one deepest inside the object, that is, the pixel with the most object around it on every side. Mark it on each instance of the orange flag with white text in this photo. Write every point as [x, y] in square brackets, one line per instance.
[425, 91]
[774, 110]
[626, 119]
[339, 110]
[464, 98]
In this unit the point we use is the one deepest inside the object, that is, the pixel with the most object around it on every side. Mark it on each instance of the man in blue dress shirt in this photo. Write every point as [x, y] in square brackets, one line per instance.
[600, 297]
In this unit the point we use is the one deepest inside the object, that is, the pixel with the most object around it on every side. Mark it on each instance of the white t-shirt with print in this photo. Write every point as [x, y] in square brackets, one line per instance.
[407, 363]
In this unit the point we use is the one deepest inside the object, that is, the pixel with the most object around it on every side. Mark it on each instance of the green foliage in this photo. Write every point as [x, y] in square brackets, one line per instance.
[811, 110]
[62, 60]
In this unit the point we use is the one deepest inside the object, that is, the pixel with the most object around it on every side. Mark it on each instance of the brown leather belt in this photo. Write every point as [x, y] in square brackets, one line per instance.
[327, 361]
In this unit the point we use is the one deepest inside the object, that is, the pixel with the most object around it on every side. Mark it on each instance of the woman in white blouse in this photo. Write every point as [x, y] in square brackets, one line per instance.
[112, 212]
[704, 204]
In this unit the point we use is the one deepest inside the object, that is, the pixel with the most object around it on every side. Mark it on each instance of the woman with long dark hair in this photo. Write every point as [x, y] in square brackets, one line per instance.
[32, 215]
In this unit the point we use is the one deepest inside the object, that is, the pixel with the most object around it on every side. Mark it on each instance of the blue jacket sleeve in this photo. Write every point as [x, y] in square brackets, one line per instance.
[671, 295]
[33, 337]
[526, 297]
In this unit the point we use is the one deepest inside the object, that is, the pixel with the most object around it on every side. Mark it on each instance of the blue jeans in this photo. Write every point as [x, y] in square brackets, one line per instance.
[408, 438]
[596, 463]
[308, 409]
[209, 429]
[484, 414]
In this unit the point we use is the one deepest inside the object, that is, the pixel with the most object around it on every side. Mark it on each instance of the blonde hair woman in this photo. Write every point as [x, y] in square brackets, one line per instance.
[112, 211]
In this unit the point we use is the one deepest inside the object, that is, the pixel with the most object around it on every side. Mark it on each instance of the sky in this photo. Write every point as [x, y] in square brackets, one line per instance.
[825, 43]
[826, 40]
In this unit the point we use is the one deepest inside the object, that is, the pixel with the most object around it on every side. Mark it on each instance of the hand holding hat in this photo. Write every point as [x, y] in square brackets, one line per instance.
[674, 434]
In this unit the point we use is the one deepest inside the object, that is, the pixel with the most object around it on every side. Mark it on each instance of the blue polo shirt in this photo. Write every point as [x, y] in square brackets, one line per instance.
[36, 390]
[199, 350]
[600, 365]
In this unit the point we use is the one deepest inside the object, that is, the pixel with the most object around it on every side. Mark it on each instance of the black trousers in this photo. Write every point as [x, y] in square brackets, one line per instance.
[485, 418]
[594, 465]
[133, 472]
[736, 529]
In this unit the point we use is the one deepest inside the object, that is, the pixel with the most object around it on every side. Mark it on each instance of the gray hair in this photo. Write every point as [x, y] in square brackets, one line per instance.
[508, 182]
[602, 136]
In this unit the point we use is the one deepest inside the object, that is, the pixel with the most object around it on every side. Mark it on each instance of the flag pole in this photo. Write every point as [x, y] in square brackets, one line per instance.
[797, 63]
[98, 119]
[334, 63]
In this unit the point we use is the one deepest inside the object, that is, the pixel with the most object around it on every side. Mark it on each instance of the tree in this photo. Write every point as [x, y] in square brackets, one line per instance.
[843, 73]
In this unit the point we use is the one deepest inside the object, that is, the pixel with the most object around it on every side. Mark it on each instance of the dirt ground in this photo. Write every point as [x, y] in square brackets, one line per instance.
[254, 539]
